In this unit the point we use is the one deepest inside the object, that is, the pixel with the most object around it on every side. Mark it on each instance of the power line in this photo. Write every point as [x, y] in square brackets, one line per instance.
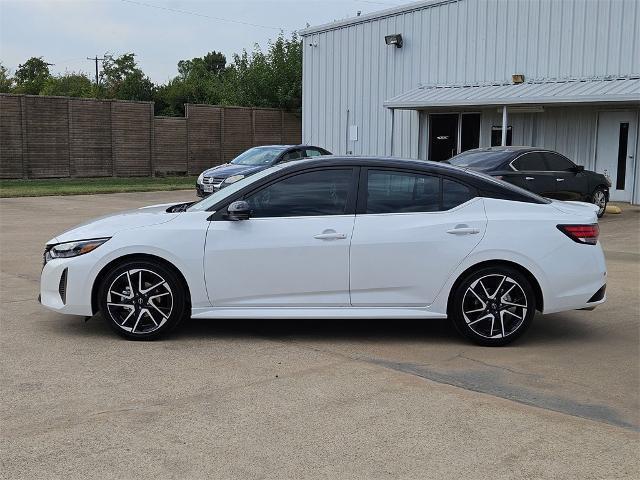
[196, 14]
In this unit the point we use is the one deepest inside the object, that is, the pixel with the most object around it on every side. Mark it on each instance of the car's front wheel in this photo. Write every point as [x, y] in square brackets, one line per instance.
[599, 199]
[142, 300]
[493, 306]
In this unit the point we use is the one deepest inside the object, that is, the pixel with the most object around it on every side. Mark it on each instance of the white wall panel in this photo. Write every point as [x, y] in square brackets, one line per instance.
[453, 42]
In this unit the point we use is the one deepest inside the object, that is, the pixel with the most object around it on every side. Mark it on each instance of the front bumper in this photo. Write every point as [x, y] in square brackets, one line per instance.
[63, 286]
[200, 189]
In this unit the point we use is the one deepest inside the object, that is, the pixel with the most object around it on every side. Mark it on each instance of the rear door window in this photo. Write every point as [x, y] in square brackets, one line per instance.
[400, 192]
[312, 152]
[531, 162]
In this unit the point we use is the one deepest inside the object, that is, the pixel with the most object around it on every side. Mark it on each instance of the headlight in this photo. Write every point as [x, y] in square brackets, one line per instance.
[233, 179]
[200, 178]
[73, 249]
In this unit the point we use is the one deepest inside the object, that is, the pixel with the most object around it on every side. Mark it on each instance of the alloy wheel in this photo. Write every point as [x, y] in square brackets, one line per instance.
[600, 200]
[494, 306]
[139, 301]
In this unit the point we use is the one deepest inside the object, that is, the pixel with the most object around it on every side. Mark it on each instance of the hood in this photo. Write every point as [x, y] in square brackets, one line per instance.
[578, 208]
[228, 169]
[109, 225]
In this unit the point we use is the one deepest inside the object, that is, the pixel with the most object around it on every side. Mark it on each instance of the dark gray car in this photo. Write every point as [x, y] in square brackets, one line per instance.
[541, 171]
[252, 161]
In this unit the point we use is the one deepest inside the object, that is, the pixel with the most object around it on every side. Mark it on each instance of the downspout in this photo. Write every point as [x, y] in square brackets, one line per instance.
[393, 111]
[504, 126]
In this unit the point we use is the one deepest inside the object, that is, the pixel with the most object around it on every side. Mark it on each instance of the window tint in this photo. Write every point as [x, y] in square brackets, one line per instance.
[322, 192]
[530, 161]
[312, 152]
[558, 163]
[292, 155]
[454, 194]
[481, 160]
[396, 192]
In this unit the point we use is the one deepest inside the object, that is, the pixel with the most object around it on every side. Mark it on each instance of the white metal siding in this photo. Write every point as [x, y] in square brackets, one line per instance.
[457, 42]
[568, 130]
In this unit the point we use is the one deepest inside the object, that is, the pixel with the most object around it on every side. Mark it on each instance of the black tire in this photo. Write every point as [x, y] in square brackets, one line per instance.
[599, 198]
[496, 321]
[136, 314]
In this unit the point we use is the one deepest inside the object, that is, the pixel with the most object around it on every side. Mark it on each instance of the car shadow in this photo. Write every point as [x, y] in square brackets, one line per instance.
[556, 328]
[322, 330]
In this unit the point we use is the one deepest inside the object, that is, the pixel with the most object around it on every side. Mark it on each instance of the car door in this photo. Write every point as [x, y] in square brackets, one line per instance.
[411, 231]
[293, 251]
[571, 183]
[532, 174]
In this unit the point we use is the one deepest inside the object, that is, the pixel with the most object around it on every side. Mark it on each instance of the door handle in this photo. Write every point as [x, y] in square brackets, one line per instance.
[529, 178]
[463, 230]
[330, 235]
[559, 179]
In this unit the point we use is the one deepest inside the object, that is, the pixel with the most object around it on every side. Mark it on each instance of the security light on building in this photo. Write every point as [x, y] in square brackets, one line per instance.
[453, 87]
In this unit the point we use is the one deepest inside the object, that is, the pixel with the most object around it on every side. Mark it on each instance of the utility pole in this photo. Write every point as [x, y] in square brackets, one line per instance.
[96, 59]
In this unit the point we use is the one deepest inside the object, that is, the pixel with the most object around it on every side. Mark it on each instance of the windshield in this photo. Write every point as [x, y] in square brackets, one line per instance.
[216, 197]
[258, 156]
[482, 160]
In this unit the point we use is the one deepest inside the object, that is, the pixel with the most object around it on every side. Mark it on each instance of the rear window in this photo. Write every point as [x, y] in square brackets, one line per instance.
[480, 160]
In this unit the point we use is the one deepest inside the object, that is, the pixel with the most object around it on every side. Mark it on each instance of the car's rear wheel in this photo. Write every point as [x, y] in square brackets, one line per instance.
[142, 300]
[599, 199]
[493, 306]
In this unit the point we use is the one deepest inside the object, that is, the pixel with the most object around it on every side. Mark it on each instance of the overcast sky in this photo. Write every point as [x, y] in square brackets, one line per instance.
[159, 32]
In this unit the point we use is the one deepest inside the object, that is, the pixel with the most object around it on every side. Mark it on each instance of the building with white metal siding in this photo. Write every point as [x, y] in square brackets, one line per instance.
[447, 87]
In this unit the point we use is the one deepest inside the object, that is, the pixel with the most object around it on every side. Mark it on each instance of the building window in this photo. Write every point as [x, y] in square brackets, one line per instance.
[469, 131]
[496, 135]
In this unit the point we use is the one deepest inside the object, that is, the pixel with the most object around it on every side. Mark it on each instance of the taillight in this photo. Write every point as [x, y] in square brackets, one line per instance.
[581, 233]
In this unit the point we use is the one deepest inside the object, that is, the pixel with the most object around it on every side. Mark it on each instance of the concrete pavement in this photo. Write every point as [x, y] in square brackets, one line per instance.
[310, 399]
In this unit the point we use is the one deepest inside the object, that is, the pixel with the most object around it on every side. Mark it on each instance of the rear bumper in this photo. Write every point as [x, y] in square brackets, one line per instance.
[582, 285]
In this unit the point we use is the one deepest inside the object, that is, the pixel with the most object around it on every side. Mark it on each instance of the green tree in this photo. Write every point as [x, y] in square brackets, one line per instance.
[70, 84]
[273, 79]
[212, 63]
[121, 78]
[199, 81]
[31, 76]
[6, 81]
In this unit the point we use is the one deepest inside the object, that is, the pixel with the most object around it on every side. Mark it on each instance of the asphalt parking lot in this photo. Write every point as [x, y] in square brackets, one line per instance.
[301, 399]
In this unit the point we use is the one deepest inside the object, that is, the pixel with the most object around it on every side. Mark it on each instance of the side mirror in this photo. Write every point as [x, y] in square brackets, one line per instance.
[578, 168]
[238, 210]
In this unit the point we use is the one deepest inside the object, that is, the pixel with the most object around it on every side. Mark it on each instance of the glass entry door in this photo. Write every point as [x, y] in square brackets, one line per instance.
[452, 133]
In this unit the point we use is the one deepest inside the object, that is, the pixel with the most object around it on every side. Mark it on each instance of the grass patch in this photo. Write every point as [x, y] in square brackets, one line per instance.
[83, 186]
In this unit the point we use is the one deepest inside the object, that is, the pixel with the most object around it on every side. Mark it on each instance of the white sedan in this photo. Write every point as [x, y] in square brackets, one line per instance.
[336, 238]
